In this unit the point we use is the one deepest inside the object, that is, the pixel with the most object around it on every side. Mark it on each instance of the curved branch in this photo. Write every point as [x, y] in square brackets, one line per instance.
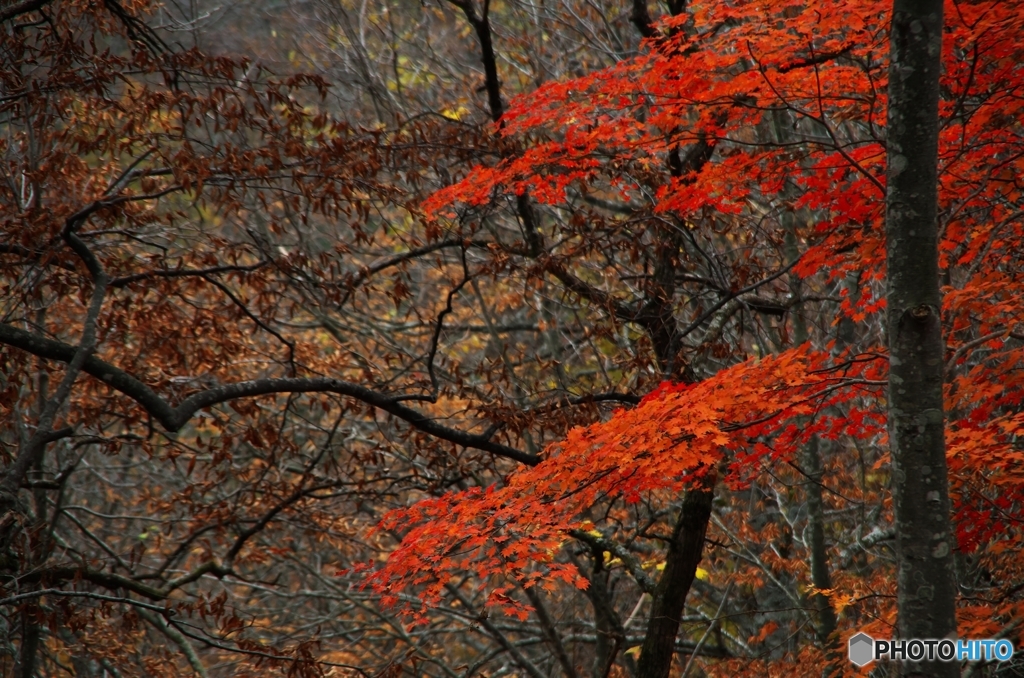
[39, 593]
[125, 280]
[75, 357]
[180, 640]
[387, 262]
[439, 326]
[173, 418]
[117, 582]
[20, 8]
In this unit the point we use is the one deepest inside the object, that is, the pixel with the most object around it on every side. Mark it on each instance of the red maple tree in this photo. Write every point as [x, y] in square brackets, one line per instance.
[787, 100]
[234, 336]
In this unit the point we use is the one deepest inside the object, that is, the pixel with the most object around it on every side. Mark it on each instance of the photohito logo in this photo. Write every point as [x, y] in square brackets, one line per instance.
[864, 649]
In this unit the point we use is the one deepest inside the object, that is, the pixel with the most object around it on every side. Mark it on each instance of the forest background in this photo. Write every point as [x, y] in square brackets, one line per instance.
[485, 338]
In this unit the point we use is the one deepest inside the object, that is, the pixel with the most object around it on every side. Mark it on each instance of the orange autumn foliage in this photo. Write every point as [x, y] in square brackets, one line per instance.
[675, 435]
[791, 95]
[300, 336]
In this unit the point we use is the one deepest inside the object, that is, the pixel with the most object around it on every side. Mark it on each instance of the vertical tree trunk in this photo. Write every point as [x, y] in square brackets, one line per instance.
[684, 553]
[924, 542]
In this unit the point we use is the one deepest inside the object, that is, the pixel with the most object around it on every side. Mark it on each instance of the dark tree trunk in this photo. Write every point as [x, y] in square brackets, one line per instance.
[684, 553]
[924, 542]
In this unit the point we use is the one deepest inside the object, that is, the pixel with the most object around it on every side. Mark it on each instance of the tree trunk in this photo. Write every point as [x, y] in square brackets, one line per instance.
[924, 542]
[684, 553]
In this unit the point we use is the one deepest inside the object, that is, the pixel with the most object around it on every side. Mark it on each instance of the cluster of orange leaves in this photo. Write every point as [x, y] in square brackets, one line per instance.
[715, 75]
[677, 434]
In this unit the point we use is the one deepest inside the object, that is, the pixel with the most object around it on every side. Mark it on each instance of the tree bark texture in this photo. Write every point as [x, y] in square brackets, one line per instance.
[684, 554]
[924, 541]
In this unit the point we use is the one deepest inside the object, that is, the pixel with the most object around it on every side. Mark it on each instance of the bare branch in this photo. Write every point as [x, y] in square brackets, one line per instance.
[126, 280]
[173, 418]
[643, 580]
[20, 8]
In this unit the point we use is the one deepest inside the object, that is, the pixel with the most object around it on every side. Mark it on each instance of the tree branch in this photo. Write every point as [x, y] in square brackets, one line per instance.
[126, 280]
[630, 561]
[529, 667]
[76, 357]
[10, 600]
[176, 636]
[173, 418]
[22, 8]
